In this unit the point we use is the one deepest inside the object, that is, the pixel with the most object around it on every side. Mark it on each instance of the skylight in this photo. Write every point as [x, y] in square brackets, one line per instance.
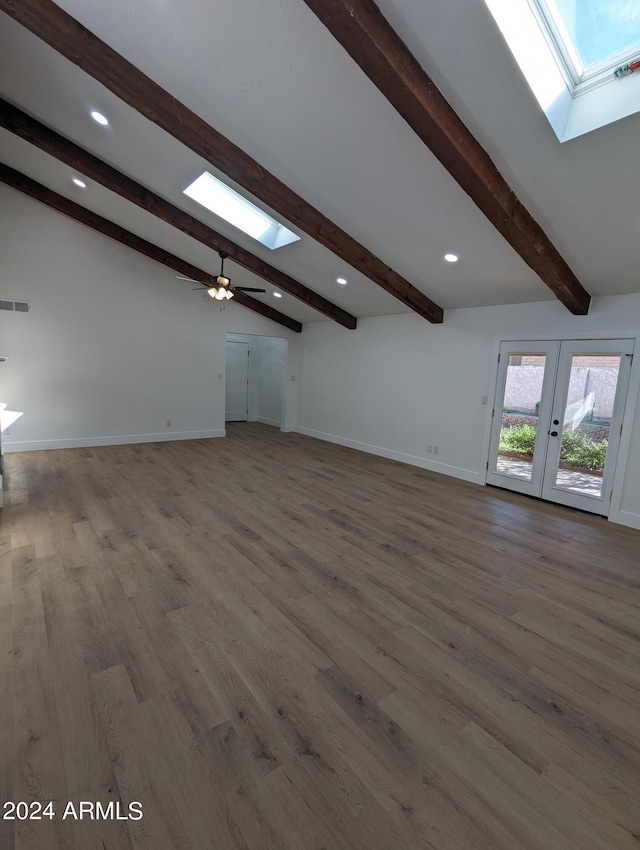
[598, 30]
[233, 208]
[569, 51]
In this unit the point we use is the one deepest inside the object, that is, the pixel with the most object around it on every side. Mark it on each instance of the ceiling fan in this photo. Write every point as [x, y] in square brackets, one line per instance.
[219, 287]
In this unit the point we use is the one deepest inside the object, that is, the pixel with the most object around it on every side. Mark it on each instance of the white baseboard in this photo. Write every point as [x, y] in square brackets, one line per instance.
[264, 420]
[288, 429]
[627, 518]
[121, 440]
[413, 460]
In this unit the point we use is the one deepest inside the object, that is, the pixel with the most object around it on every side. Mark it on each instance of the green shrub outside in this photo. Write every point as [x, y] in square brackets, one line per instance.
[578, 448]
[518, 438]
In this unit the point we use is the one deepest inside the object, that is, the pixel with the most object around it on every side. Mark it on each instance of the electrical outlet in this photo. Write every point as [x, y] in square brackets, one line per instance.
[436, 450]
[429, 448]
[293, 377]
[168, 423]
[485, 399]
[219, 376]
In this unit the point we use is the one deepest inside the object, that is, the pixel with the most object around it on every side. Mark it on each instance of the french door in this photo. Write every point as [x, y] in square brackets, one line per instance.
[557, 419]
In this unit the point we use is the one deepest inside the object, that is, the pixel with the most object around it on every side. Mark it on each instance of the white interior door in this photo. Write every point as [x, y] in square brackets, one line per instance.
[557, 420]
[236, 390]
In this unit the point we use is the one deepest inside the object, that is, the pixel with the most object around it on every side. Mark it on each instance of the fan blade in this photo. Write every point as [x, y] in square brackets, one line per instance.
[198, 288]
[190, 279]
[247, 289]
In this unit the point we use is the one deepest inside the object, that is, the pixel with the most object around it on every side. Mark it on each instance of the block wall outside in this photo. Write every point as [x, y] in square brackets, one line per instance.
[524, 386]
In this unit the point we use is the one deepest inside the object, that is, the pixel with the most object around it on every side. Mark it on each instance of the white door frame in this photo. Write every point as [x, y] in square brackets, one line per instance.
[617, 467]
[243, 349]
[549, 489]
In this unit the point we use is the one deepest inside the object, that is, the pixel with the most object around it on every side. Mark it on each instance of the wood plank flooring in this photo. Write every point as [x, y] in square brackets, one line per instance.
[274, 642]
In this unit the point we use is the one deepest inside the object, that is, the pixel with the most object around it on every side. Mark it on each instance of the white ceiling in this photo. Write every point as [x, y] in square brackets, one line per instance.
[270, 77]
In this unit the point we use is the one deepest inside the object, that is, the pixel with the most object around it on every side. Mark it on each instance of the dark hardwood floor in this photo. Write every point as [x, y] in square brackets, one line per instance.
[274, 642]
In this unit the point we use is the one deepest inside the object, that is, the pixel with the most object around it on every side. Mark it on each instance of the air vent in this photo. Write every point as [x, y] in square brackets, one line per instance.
[15, 306]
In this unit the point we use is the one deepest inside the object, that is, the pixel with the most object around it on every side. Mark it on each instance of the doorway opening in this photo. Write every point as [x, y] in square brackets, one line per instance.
[557, 419]
[255, 378]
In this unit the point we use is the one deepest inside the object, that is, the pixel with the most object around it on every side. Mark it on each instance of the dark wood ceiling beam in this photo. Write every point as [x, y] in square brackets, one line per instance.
[80, 46]
[34, 190]
[31, 130]
[368, 38]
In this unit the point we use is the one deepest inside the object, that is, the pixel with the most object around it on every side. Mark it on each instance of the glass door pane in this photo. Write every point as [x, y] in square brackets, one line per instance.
[520, 414]
[584, 426]
[586, 423]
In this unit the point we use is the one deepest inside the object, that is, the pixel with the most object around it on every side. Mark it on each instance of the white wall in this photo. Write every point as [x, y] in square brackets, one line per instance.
[397, 384]
[113, 346]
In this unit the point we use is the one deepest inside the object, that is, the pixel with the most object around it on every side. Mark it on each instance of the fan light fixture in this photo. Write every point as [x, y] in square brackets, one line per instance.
[220, 289]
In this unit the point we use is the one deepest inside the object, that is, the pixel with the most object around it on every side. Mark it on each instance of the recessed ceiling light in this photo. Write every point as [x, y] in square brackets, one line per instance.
[99, 117]
[80, 183]
[238, 211]
[277, 295]
[451, 258]
[342, 281]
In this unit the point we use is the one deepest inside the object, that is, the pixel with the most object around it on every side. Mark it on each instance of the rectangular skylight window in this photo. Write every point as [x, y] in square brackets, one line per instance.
[598, 30]
[590, 37]
[577, 56]
[233, 208]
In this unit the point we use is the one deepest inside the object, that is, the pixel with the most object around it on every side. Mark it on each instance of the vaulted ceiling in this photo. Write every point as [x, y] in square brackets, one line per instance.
[316, 132]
